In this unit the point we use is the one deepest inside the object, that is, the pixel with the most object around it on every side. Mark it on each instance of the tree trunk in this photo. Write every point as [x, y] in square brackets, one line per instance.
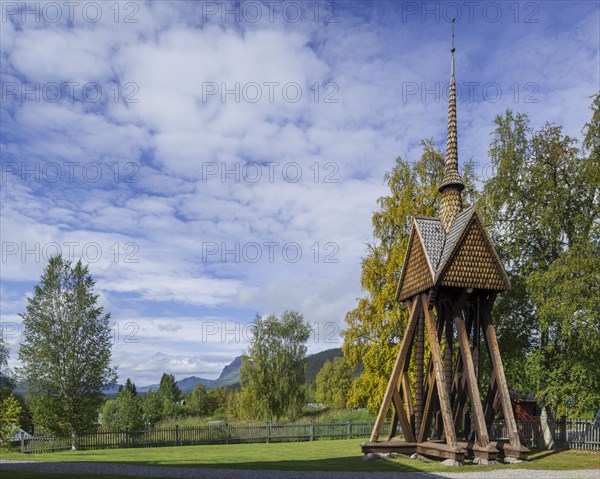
[547, 424]
[74, 441]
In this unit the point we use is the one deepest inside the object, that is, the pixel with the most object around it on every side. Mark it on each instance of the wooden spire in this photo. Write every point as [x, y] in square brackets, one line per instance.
[452, 184]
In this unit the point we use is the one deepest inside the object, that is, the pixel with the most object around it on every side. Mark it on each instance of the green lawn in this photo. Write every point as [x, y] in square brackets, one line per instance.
[334, 455]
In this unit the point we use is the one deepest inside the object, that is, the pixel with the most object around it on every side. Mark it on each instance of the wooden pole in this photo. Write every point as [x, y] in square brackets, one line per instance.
[448, 349]
[477, 409]
[443, 394]
[419, 374]
[398, 368]
[496, 359]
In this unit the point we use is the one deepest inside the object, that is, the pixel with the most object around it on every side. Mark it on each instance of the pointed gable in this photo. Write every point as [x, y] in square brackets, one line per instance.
[417, 273]
[433, 235]
[470, 259]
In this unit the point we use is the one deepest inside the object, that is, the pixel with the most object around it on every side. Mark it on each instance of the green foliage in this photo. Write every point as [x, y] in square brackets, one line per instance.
[168, 389]
[130, 387]
[7, 387]
[272, 375]
[125, 411]
[376, 326]
[198, 401]
[333, 383]
[543, 209]
[109, 415]
[66, 349]
[218, 398]
[152, 408]
[315, 362]
[10, 413]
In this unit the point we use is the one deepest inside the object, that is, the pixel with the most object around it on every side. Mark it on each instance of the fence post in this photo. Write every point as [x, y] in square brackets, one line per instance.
[312, 430]
[126, 437]
[176, 435]
[268, 438]
[563, 431]
[22, 441]
[348, 429]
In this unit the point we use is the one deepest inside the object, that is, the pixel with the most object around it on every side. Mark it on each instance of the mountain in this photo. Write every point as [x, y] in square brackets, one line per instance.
[315, 362]
[230, 376]
[231, 373]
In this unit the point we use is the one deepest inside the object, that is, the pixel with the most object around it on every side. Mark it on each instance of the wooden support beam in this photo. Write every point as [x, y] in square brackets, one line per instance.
[459, 390]
[477, 409]
[489, 407]
[443, 394]
[405, 387]
[445, 313]
[492, 341]
[393, 424]
[419, 374]
[398, 368]
[430, 405]
[449, 342]
[401, 414]
[394, 445]
[441, 450]
[407, 394]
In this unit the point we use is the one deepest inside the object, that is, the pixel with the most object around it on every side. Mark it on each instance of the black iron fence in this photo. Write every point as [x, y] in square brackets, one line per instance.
[568, 433]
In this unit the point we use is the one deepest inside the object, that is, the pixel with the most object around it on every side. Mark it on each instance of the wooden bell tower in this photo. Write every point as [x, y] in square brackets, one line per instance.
[449, 281]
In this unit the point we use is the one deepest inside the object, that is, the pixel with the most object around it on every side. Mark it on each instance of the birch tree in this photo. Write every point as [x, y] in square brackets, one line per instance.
[66, 350]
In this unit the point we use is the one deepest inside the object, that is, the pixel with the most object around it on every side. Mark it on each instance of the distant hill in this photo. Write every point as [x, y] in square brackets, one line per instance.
[230, 376]
[231, 373]
[315, 362]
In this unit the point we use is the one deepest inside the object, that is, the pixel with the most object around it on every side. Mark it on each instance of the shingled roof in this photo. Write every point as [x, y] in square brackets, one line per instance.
[463, 257]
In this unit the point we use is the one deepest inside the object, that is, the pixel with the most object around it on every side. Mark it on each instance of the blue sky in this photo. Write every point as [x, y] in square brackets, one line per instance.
[215, 160]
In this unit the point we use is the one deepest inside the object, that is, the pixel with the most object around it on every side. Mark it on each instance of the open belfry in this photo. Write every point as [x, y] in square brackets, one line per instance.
[449, 281]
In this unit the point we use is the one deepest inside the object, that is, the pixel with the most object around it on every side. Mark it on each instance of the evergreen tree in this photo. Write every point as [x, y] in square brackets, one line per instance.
[168, 389]
[66, 350]
[130, 386]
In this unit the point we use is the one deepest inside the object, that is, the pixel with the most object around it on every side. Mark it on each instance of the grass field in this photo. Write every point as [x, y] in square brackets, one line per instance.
[334, 455]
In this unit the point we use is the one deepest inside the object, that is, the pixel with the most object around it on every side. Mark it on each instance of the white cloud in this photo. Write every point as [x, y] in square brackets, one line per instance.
[166, 140]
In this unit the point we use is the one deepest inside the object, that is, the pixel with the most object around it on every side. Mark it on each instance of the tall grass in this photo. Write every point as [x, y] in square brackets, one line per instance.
[319, 415]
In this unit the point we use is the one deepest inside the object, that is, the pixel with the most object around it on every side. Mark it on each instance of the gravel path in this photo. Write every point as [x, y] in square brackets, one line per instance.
[198, 473]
